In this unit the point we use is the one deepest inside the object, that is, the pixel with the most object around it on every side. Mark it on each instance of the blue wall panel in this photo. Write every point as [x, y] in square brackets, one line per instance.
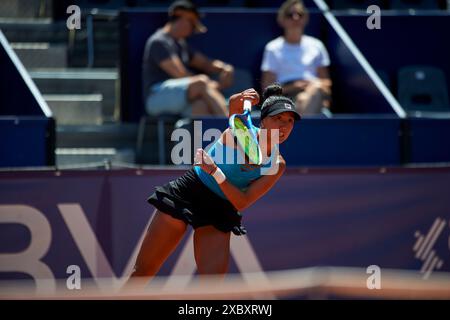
[344, 142]
[402, 40]
[429, 140]
[353, 90]
[340, 141]
[26, 141]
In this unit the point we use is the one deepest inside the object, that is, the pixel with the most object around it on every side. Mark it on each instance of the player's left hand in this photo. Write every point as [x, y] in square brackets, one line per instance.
[204, 160]
[236, 101]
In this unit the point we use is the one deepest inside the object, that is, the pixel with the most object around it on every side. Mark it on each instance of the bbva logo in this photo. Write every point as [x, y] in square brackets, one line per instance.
[29, 260]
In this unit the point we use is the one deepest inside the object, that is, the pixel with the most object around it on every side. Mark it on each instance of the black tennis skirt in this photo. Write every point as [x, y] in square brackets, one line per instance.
[188, 199]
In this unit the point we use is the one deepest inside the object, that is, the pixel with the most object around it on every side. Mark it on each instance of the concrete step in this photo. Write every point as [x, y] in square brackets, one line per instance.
[105, 49]
[25, 8]
[107, 135]
[41, 54]
[110, 136]
[34, 30]
[84, 144]
[105, 39]
[75, 109]
[105, 54]
[82, 81]
[74, 157]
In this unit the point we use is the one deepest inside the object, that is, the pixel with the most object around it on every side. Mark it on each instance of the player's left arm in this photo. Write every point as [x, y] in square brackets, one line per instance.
[243, 199]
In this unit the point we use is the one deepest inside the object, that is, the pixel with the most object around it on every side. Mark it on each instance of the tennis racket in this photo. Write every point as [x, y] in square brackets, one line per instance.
[246, 136]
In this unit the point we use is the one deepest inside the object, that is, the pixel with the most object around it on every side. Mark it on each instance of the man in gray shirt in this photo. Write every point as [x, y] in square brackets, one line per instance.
[168, 84]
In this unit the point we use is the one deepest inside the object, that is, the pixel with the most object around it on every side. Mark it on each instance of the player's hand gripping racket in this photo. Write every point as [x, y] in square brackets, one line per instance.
[246, 136]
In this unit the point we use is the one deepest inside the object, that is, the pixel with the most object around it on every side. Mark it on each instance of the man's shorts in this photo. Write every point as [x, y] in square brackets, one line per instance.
[169, 97]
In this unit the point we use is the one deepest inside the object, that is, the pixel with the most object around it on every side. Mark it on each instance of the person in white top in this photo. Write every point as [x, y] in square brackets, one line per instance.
[298, 62]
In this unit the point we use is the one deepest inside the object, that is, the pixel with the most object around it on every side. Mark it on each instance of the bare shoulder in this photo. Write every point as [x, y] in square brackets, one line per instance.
[282, 163]
[276, 170]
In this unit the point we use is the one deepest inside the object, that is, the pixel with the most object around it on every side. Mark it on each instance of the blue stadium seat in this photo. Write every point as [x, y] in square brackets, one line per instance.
[423, 88]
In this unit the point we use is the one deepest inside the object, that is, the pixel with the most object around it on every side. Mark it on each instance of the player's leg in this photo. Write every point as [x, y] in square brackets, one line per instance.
[162, 237]
[211, 250]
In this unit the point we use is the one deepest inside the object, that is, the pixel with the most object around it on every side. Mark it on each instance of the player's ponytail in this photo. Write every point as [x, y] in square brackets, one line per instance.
[272, 97]
[272, 90]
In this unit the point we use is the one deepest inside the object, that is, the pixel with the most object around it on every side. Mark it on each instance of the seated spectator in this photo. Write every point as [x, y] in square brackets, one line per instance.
[298, 62]
[169, 85]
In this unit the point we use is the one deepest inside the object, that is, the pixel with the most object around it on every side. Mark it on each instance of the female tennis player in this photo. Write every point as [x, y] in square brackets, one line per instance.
[211, 196]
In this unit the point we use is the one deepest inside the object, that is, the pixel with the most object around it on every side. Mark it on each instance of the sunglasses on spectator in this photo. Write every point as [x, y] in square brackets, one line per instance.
[291, 15]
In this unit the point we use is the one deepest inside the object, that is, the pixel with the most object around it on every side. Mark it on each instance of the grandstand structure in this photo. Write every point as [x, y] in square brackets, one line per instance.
[367, 184]
[90, 78]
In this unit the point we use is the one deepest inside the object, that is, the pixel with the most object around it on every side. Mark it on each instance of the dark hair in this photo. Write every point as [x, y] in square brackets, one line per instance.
[273, 94]
[272, 90]
[275, 103]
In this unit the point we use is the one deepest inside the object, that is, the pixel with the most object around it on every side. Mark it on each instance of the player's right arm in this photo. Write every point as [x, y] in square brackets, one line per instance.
[236, 101]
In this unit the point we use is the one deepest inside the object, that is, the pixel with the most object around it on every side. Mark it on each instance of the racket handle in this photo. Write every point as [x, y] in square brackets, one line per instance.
[247, 105]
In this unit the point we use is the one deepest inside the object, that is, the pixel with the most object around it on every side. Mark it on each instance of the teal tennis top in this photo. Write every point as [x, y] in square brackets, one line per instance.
[231, 161]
